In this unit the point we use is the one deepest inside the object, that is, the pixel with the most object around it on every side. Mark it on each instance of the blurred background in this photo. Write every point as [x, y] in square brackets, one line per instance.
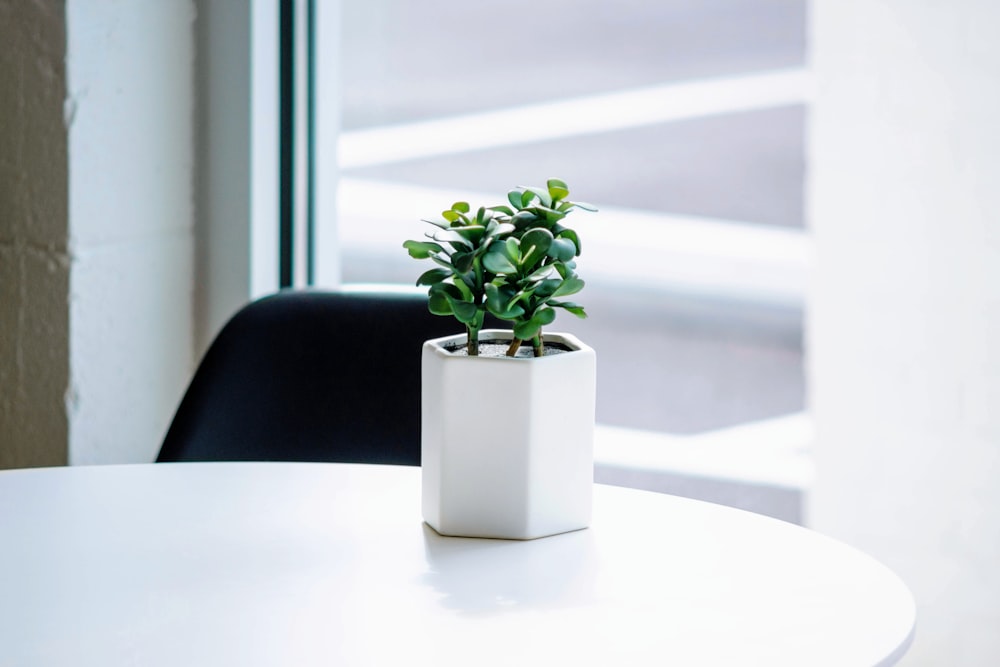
[683, 122]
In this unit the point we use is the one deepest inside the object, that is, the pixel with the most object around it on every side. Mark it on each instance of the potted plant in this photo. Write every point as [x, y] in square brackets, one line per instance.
[507, 428]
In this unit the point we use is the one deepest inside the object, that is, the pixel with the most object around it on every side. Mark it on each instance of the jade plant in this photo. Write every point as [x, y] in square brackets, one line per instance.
[514, 261]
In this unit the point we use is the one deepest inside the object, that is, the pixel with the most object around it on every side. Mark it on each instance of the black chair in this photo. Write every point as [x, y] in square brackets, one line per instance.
[310, 376]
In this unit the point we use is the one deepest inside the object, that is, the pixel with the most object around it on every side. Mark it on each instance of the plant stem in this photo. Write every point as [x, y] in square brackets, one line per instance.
[514, 346]
[472, 342]
[537, 345]
[473, 345]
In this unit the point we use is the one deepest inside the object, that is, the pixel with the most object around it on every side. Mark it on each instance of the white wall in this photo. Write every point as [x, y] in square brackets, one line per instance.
[904, 327]
[130, 113]
[237, 154]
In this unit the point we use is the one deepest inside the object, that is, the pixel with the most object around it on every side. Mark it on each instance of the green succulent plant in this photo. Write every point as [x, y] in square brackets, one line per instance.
[516, 262]
[458, 285]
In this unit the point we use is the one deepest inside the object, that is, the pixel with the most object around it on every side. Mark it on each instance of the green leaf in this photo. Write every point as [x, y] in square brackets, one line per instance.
[438, 304]
[503, 209]
[439, 298]
[484, 247]
[496, 262]
[539, 273]
[557, 189]
[530, 328]
[526, 295]
[543, 196]
[460, 206]
[562, 249]
[514, 197]
[450, 216]
[454, 238]
[574, 308]
[547, 288]
[512, 249]
[446, 262]
[551, 215]
[527, 330]
[572, 236]
[499, 229]
[569, 286]
[585, 206]
[492, 295]
[422, 249]
[545, 316]
[541, 212]
[472, 234]
[511, 315]
[432, 277]
[565, 269]
[464, 311]
[443, 224]
[495, 304]
[513, 298]
[462, 261]
[465, 284]
[524, 219]
[498, 294]
[534, 245]
[479, 320]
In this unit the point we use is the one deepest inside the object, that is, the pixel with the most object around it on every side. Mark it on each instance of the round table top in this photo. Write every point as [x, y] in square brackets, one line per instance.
[308, 564]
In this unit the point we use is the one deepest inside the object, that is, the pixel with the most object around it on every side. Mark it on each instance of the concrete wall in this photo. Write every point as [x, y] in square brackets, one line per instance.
[904, 325]
[130, 69]
[34, 255]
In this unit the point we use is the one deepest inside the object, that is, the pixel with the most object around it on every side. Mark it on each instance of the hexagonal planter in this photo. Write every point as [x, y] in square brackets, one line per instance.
[507, 443]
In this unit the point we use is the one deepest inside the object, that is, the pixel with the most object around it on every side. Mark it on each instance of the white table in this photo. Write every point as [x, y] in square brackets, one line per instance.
[309, 564]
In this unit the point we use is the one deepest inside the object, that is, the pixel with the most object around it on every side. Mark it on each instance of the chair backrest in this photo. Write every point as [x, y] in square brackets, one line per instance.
[310, 376]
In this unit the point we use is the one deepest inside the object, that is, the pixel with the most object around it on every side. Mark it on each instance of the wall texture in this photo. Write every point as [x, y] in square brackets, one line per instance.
[905, 311]
[34, 251]
[130, 87]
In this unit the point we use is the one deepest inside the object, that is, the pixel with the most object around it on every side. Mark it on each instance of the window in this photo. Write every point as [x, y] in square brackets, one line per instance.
[682, 121]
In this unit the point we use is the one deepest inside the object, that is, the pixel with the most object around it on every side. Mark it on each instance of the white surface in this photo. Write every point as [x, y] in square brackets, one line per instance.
[521, 473]
[303, 564]
[238, 162]
[903, 328]
[770, 452]
[586, 115]
[130, 120]
[764, 467]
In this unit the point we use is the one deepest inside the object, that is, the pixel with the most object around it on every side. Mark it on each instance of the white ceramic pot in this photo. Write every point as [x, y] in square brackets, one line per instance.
[507, 444]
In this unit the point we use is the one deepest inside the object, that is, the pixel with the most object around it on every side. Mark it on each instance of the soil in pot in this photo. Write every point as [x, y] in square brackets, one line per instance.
[499, 349]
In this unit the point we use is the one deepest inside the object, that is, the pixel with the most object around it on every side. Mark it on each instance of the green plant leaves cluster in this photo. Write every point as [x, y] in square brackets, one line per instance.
[515, 261]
